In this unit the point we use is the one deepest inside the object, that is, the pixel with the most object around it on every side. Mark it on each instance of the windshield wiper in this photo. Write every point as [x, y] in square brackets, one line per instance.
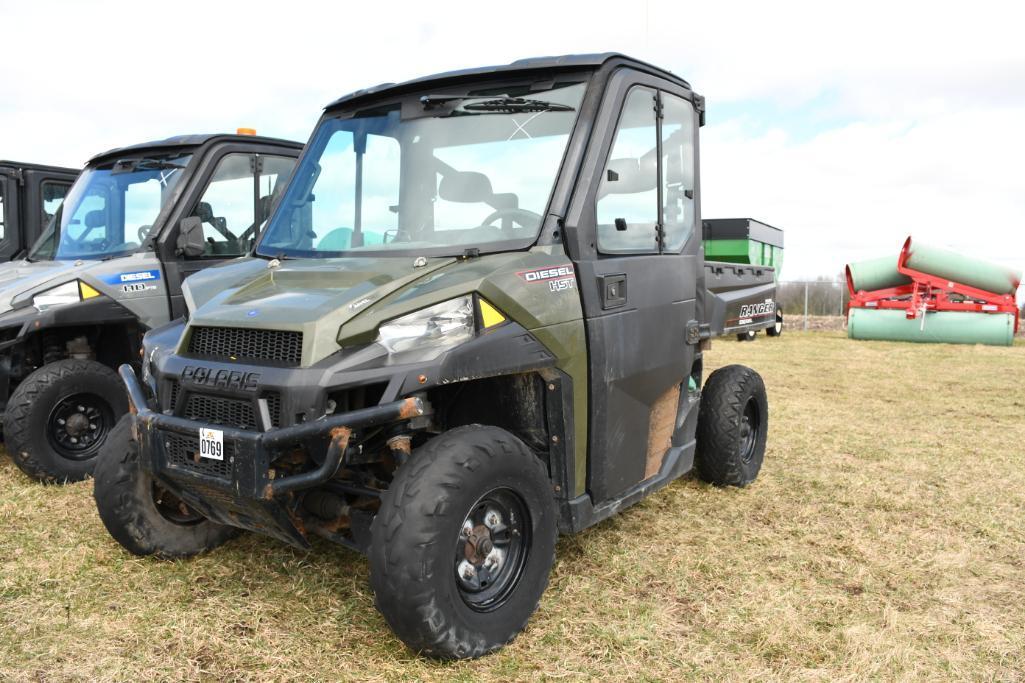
[503, 104]
[514, 105]
[128, 165]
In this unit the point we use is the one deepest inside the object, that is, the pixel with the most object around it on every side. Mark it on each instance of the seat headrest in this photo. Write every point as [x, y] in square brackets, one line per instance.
[96, 218]
[465, 187]
[628, 176]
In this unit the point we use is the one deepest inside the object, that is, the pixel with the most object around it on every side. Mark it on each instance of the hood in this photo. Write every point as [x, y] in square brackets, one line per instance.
[312, 296]
[17, 277]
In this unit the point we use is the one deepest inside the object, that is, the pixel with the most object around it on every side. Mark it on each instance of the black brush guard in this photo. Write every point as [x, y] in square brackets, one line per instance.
[244, 491]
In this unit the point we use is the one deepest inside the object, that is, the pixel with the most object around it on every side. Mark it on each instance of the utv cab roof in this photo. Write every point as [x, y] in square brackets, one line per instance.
[513, 69]
[178, 142]
[22, 165]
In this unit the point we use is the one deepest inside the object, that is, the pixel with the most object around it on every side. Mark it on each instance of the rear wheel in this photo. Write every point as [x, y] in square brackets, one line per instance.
[59, 417]
[141, 515]
[733, 422]
[777, 328]
[463, 544]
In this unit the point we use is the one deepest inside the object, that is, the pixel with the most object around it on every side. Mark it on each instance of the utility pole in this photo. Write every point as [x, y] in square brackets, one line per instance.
[805, 305]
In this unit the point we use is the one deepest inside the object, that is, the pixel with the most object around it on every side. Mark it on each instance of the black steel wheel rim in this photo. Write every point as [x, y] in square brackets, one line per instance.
[750, 426]
[491, 550]
[173, 509]
[78, 424]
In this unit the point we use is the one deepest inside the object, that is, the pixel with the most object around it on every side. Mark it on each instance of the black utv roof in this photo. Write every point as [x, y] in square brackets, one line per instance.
[519, 67]
[189, 141]
[22, 165]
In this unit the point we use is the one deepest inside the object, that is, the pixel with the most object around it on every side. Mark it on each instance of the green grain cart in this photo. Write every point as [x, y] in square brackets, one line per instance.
[747, 241]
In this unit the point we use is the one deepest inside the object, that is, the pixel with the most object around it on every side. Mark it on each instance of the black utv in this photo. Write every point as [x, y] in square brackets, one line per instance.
[30, 195]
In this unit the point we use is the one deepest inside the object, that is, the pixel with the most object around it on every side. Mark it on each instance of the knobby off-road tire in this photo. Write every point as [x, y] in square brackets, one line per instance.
[777, 329]
[472, 475]
[59, 416]
[733, 422]
[127, 501]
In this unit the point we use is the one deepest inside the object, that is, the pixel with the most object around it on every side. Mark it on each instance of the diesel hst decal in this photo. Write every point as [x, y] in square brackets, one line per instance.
[236, 380]
[559, 278]
[137, 287]
[130, 278]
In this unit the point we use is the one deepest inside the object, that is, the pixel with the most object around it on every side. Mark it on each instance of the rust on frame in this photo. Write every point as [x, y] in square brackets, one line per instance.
[411, 407]
[268, 491]
[340, 438]
[403, 444]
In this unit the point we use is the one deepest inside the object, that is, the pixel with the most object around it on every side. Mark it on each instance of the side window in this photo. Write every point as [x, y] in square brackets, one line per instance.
[627, 209]
[227, 208]
[337, 179]
[380, 191]
[52, 194]
[274, 174]
[677, 171]
[89, 222]
[142, 203]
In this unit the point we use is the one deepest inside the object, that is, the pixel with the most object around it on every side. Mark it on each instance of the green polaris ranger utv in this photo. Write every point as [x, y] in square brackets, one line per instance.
[108, 267]
[474, 321]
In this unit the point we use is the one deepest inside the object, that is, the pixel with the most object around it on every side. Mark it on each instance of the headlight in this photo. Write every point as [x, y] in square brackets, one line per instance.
[430, 331]
[58, 296]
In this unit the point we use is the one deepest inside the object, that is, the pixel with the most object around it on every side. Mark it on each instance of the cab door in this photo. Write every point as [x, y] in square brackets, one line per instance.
[638, 263]
[232, 204]
[30, 199]
[8, 207]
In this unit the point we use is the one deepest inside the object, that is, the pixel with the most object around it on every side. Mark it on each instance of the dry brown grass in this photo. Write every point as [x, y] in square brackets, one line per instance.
[885, 539]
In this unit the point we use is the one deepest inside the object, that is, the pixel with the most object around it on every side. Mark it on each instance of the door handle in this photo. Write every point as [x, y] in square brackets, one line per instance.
[612, 289]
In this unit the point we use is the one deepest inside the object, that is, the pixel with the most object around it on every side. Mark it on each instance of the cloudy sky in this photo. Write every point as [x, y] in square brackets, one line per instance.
[850, 127]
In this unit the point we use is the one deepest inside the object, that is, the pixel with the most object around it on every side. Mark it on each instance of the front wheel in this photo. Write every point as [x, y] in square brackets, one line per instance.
[733, 422]
[59, 417]
[141, 515]
[777, 328]
[463, 543]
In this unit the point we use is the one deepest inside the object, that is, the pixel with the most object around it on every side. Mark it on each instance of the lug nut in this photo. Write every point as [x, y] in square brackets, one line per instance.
[466, 570]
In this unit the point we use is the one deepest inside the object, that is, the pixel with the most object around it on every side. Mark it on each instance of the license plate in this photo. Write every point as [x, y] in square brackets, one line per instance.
[211, 444]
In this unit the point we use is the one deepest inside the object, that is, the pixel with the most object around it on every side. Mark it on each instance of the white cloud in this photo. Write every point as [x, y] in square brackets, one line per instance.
[917, 108]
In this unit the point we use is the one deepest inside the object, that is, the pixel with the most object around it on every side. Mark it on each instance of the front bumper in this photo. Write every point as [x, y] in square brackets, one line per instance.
[242, 489]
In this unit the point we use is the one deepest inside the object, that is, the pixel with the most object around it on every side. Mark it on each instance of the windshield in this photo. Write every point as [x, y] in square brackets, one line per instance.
[435, 175]
[110, 209]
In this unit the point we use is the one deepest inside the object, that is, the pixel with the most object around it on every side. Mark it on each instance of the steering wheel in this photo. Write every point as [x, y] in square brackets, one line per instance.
[522, 217]
[143, 232]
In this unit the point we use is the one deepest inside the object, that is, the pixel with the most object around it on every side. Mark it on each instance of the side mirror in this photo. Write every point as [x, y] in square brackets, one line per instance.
[190, 237]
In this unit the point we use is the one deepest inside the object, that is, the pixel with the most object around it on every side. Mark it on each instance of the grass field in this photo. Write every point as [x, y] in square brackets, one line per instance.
[885, 539]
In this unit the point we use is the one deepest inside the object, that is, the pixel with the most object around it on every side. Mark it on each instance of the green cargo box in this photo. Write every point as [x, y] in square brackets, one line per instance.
[743, 240]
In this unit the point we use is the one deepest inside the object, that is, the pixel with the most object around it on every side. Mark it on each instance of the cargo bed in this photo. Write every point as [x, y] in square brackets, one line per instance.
[742, 297]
